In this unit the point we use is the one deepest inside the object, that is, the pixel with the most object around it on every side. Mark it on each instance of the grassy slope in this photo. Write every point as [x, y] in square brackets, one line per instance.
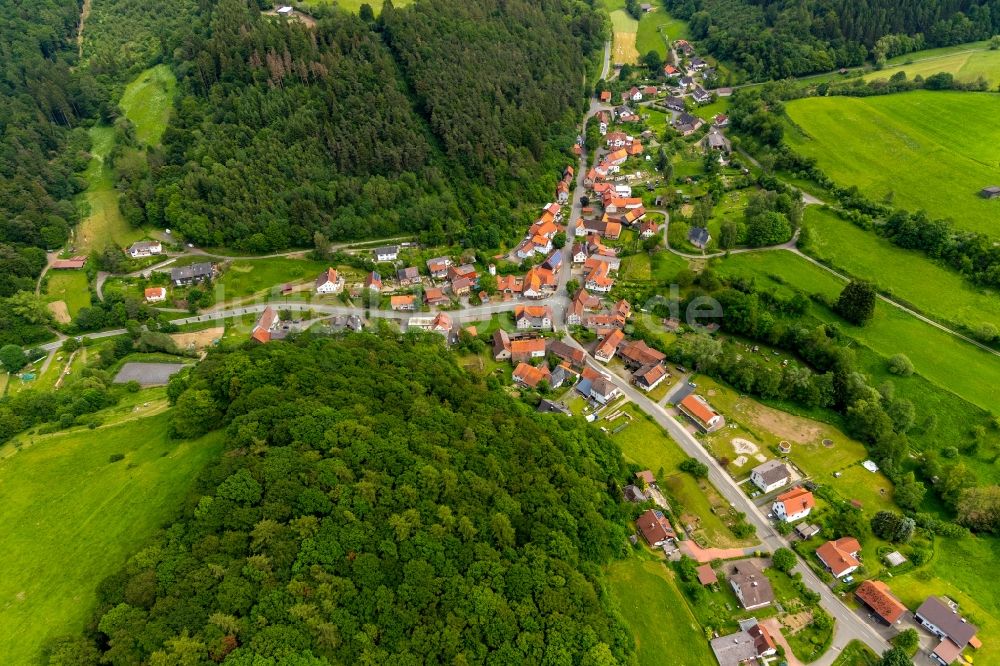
[857, 654]
[653, 608]
[71, 287]
[354, 6]
[147, 102]
[652, 28]
[72, 518]
[932, 150]
[935, 353]
[244, 278]
[909, 274]
[103, 223]
[966, 62]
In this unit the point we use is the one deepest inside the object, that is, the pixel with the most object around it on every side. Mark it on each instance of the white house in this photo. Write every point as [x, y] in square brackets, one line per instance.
[387, 253]
[793, 505]
[329, 282]
[770, 475]
[156, 294]
[144, 249]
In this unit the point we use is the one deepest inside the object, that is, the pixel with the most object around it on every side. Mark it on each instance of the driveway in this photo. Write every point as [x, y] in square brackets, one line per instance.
[701, 555]
[774, 628]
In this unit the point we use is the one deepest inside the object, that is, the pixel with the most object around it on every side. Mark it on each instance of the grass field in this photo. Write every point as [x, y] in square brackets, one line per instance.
[857, 654]
[935, 354]
[245, 278]
[623, 47]
[657, 614]
[654, 26]
[71, 287]
[967, 62]
[353, 6]
[930, 150]
[147, 102]
[908, 274]
[71, 518]
[102, 224]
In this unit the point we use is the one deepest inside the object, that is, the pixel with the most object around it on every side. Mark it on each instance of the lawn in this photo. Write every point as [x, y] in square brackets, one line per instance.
[251, 276]
[646, 445]
[70, 287]
[666, 265]
[102, 222]
[907, 274]
[656, 613]
[72, 518]
[967, 62]
[656, 25]
[147, 102]
[928, 150]
[637, 267]
[935, 353]
[857, 654]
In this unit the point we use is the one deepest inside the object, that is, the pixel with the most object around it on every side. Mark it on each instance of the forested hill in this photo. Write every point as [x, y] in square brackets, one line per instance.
[40, 101]
[376, 505]
[285, 130]
[779, 38]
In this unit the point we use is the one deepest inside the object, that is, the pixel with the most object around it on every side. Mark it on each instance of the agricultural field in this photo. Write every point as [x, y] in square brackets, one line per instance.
[934, 353]
[70, 288]
[908, 274]
[926, 150]
[101, 223]
[651, 604]
[623, 47]
[147, 102]
[967, 62]
[73, 517]
[657, 26]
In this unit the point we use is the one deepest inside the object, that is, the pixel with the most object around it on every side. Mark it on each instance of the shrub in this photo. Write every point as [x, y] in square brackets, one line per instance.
[901, 365]
[115, 457]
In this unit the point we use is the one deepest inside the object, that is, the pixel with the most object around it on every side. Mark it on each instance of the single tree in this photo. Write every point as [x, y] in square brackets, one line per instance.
[12, 358]
[857, 302]
[783, 559]
[901, 365]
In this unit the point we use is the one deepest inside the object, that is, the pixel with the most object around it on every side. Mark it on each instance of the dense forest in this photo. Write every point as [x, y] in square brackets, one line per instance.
[376, 505]
[357, 129]
[779, 38]
[41, 101]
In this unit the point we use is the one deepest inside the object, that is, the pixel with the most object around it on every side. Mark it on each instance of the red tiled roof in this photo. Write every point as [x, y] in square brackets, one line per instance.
[698, 408]
[837, 555]
[795, 500]
[877, 596]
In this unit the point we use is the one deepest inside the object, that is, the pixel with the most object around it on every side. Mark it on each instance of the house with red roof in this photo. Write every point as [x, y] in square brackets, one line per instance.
[880, 600]
[698, 410]
[155, 294]
[531, 376]
[329, 282]
[655, 528]
[609, 346]
[793, 505]
[840, 556]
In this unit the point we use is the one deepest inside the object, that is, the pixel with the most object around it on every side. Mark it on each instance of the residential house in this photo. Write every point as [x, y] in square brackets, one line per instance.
[649, 376]
[597, 276]
[698, 410]
[687, 82]
[408, 276]
[721, 120]
[615, 140]
[637, 353]
[626, 115]
[530, 375]
[329, 282]
[613, 204]
[373, 282]
[745, 646]
[509, 284]
[716, 141]
[144, 249]
[553, 262]
[670, 70]
[699, 237]
[840, 556]
[616, 158]
[697, 63]
[501, 345]
[793, 505]
[943, 620]
[675, 104]
[538, 283]
[605, 96]
[579, 253]
[533, 316]
[648, 229]
[597, 387]
[575, 357]
[404, 302]
[655, 528]
[609, 346]
[462, 286]
[438, 267]
[684, 47]
[387, 253]
[435, 296]
[770, 475]
[649, 91]
[526, 349]
[879, 599]
[632, 95]
[156, 294]
[687, 124]
[192, 274]
[751, 586]
[562, 191]
[268, 327]
[634, 494]
[582, 303]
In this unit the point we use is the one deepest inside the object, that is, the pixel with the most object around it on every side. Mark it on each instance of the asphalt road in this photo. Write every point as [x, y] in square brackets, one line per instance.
[849, 625]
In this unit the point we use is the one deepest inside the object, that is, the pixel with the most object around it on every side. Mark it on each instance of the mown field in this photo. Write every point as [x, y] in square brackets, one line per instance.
[70, 287]
[967, 62]
[928, 150]
[654, 26]
[71, 518]
[652, 606]
[248, 277]
[908, 274]
[147, 102]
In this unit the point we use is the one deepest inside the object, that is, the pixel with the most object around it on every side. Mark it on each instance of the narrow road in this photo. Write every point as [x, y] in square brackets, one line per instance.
[49, 258]
[849, 625]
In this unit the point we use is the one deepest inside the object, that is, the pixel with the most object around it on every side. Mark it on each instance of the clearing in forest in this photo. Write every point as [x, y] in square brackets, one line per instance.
[623, 50]
[966, 62]
[147, 102]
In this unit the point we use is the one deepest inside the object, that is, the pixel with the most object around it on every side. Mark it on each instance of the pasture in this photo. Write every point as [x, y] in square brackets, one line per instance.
[70, 287]
[72, 517]
[926, 150]
[655, 611]
[908, 274]
[655, 28]
[101, 222]
[147, 102]
[623, 47]
[967, 62]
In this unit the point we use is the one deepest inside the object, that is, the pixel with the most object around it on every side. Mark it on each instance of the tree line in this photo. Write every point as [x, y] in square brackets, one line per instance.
[375, 504]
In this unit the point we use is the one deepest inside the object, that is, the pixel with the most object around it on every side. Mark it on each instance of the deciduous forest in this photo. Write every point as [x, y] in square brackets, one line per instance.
[376, 504]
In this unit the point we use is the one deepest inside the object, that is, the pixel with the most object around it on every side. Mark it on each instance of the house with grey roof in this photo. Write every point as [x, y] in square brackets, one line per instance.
[187, 275]
[770, 475]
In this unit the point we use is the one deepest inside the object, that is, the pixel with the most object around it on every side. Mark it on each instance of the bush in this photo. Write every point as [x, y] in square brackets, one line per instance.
[783, 560]
[901, 365]
[695, 468]
[115, 457]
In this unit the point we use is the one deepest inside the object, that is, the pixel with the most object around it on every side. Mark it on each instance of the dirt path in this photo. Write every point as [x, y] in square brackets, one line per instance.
[774, 628]
[701, 555]
[84, 13]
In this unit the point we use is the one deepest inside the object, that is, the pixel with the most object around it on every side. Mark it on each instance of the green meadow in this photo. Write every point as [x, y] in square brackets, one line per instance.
[249, 277]
[147, 102]
[908, 274]
[354, 6]
[652, 606]
[967, 62]
[926, 150]
[71, 287]
[101, 223]
[656, 25]
[71, 517]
